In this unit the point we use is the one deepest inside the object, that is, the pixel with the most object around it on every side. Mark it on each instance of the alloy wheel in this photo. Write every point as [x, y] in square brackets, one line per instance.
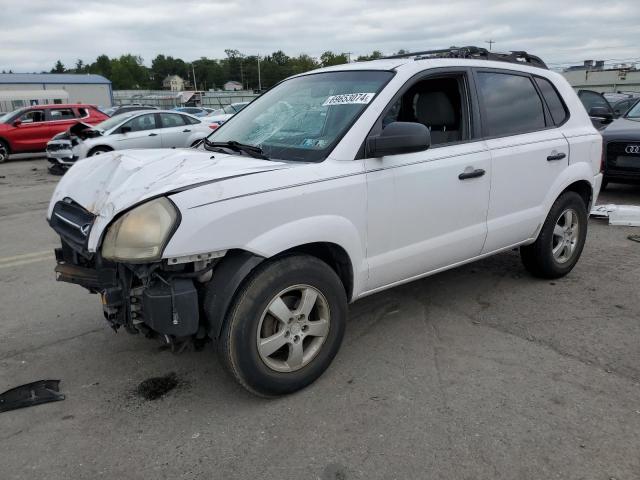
[565, 236]
[293, 328]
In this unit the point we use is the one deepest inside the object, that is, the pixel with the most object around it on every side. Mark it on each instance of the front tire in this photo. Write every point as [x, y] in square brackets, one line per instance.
[99, 151]
[285, 325]
[561, 240]
[4, 151]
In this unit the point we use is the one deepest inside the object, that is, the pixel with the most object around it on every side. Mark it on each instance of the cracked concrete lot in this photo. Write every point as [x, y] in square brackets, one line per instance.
[481, 372]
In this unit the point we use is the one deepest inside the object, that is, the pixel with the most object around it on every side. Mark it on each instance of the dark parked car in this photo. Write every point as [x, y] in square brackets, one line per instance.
[622, 148]
[129, 108]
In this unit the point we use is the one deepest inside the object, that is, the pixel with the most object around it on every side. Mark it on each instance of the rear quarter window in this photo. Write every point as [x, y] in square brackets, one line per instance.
[511, 104]
[557, 108]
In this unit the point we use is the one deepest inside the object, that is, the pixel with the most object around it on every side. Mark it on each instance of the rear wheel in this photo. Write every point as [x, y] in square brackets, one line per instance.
[285, 325]
[561, 240]
[4, 151]
[99, 151]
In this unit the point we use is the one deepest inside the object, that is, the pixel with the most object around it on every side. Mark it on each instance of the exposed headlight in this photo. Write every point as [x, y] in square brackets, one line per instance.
[141, 234]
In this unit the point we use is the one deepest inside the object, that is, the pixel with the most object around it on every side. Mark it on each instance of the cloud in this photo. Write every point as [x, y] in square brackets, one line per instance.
[36, 33]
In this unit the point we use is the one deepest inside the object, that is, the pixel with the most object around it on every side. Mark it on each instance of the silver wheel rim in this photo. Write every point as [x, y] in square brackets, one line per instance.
[565, 236]
[293, 328]
[3, 153]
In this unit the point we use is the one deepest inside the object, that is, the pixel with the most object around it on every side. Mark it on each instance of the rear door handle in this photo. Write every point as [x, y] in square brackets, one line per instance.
[478, 172]
[556, 156]
[153, 134]
[186, 131]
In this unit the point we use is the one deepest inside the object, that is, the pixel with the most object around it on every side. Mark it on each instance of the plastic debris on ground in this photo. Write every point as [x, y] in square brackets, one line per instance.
[625, 215]
[35, 393]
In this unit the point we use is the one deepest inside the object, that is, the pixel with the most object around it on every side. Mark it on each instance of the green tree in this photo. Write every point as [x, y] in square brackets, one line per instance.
[58, 68]
[329, 58]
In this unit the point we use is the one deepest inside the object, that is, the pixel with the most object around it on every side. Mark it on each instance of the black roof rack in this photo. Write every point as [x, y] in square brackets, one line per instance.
[476, 53]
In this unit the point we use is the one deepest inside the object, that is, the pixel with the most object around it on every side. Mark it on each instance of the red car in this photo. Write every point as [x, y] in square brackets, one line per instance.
[29, 129]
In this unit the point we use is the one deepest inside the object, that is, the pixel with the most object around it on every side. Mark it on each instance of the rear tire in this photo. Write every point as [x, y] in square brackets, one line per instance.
[4, 151]
[284, 326]
[561, 240]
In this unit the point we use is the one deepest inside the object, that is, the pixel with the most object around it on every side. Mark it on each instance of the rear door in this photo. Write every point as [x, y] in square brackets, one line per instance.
[175, 130]
[143, 132]
[59, 120]
[528, 151]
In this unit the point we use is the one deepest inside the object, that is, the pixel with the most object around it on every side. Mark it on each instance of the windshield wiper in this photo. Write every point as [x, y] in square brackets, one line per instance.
[251, 150]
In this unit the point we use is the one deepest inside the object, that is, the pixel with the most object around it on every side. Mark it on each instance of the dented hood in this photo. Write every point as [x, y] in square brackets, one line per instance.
[110, 183]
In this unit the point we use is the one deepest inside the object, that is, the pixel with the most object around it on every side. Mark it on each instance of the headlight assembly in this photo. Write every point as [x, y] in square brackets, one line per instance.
[141, 234]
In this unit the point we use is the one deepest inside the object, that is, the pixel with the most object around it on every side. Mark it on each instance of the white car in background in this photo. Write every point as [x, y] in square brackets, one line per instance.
[137, 129]
[223, 114]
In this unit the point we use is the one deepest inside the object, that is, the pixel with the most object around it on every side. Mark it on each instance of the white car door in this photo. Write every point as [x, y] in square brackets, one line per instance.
[528, 152]
[427, 210]
[176, 130]
[141, 131]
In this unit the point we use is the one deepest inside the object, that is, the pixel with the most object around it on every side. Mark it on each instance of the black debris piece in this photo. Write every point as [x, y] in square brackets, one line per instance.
[35, 393]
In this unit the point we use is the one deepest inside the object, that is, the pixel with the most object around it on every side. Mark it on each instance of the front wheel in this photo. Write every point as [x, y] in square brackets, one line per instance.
[4, 152]
[561, 240]
[285, 325]
[99, 151]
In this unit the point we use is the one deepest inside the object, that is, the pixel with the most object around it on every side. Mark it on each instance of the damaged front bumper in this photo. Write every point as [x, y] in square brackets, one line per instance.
[61, 152]
[150, 298]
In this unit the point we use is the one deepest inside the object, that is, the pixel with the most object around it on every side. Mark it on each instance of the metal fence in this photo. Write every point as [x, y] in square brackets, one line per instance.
[166, 99]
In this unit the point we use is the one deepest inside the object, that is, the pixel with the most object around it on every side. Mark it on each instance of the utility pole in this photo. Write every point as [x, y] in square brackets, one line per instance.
[195, 85]
[259, 79]
[490, 42]
[348, 56]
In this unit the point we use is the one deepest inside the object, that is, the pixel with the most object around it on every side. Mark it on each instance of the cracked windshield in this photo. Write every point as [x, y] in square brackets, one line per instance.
[303, 118]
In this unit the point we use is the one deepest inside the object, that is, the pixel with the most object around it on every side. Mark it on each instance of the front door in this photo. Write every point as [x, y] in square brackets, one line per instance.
[142, 131]
[427, 210]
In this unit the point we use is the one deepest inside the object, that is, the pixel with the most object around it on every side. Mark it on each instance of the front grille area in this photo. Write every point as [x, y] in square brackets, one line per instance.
[72, 222]
[621, 160]
[56, 147]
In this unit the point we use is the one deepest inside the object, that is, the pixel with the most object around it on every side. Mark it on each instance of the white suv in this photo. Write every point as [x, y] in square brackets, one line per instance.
[335, 184]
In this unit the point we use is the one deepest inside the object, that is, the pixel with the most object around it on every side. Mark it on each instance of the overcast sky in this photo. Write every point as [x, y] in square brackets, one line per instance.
[36, 33]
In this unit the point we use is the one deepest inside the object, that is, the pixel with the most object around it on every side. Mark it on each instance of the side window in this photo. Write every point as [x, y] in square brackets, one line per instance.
[169, 120]
[557, 108]
[511, 104]
[143, 122]
[438, 103]
[61, 114]
[32, 116]
[191, 120]
[83, 112]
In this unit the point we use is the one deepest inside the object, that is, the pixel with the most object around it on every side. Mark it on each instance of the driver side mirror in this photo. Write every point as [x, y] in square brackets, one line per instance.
[601, 113]
[17, 123]
[125, 129]
[399, 137]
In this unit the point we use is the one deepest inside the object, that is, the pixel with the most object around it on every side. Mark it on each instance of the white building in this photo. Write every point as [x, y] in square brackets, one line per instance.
[595, 77]
[22, 89]
[175, 83]
[232, 85]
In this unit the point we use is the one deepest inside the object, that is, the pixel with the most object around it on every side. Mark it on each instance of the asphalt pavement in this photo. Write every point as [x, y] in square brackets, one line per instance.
[481, 372]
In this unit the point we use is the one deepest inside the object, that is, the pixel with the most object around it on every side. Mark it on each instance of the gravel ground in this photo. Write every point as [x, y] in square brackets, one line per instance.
[481, 372]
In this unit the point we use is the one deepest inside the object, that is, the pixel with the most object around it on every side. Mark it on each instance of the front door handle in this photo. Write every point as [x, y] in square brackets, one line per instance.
[186, 131]
[478, 172]
[153, 134]
[556, 156]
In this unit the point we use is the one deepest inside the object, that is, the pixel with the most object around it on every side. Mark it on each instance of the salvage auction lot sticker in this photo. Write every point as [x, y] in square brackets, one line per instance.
[348, 99]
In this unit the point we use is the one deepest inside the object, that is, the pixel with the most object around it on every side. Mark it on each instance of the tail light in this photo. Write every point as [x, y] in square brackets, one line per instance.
[213, 126]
